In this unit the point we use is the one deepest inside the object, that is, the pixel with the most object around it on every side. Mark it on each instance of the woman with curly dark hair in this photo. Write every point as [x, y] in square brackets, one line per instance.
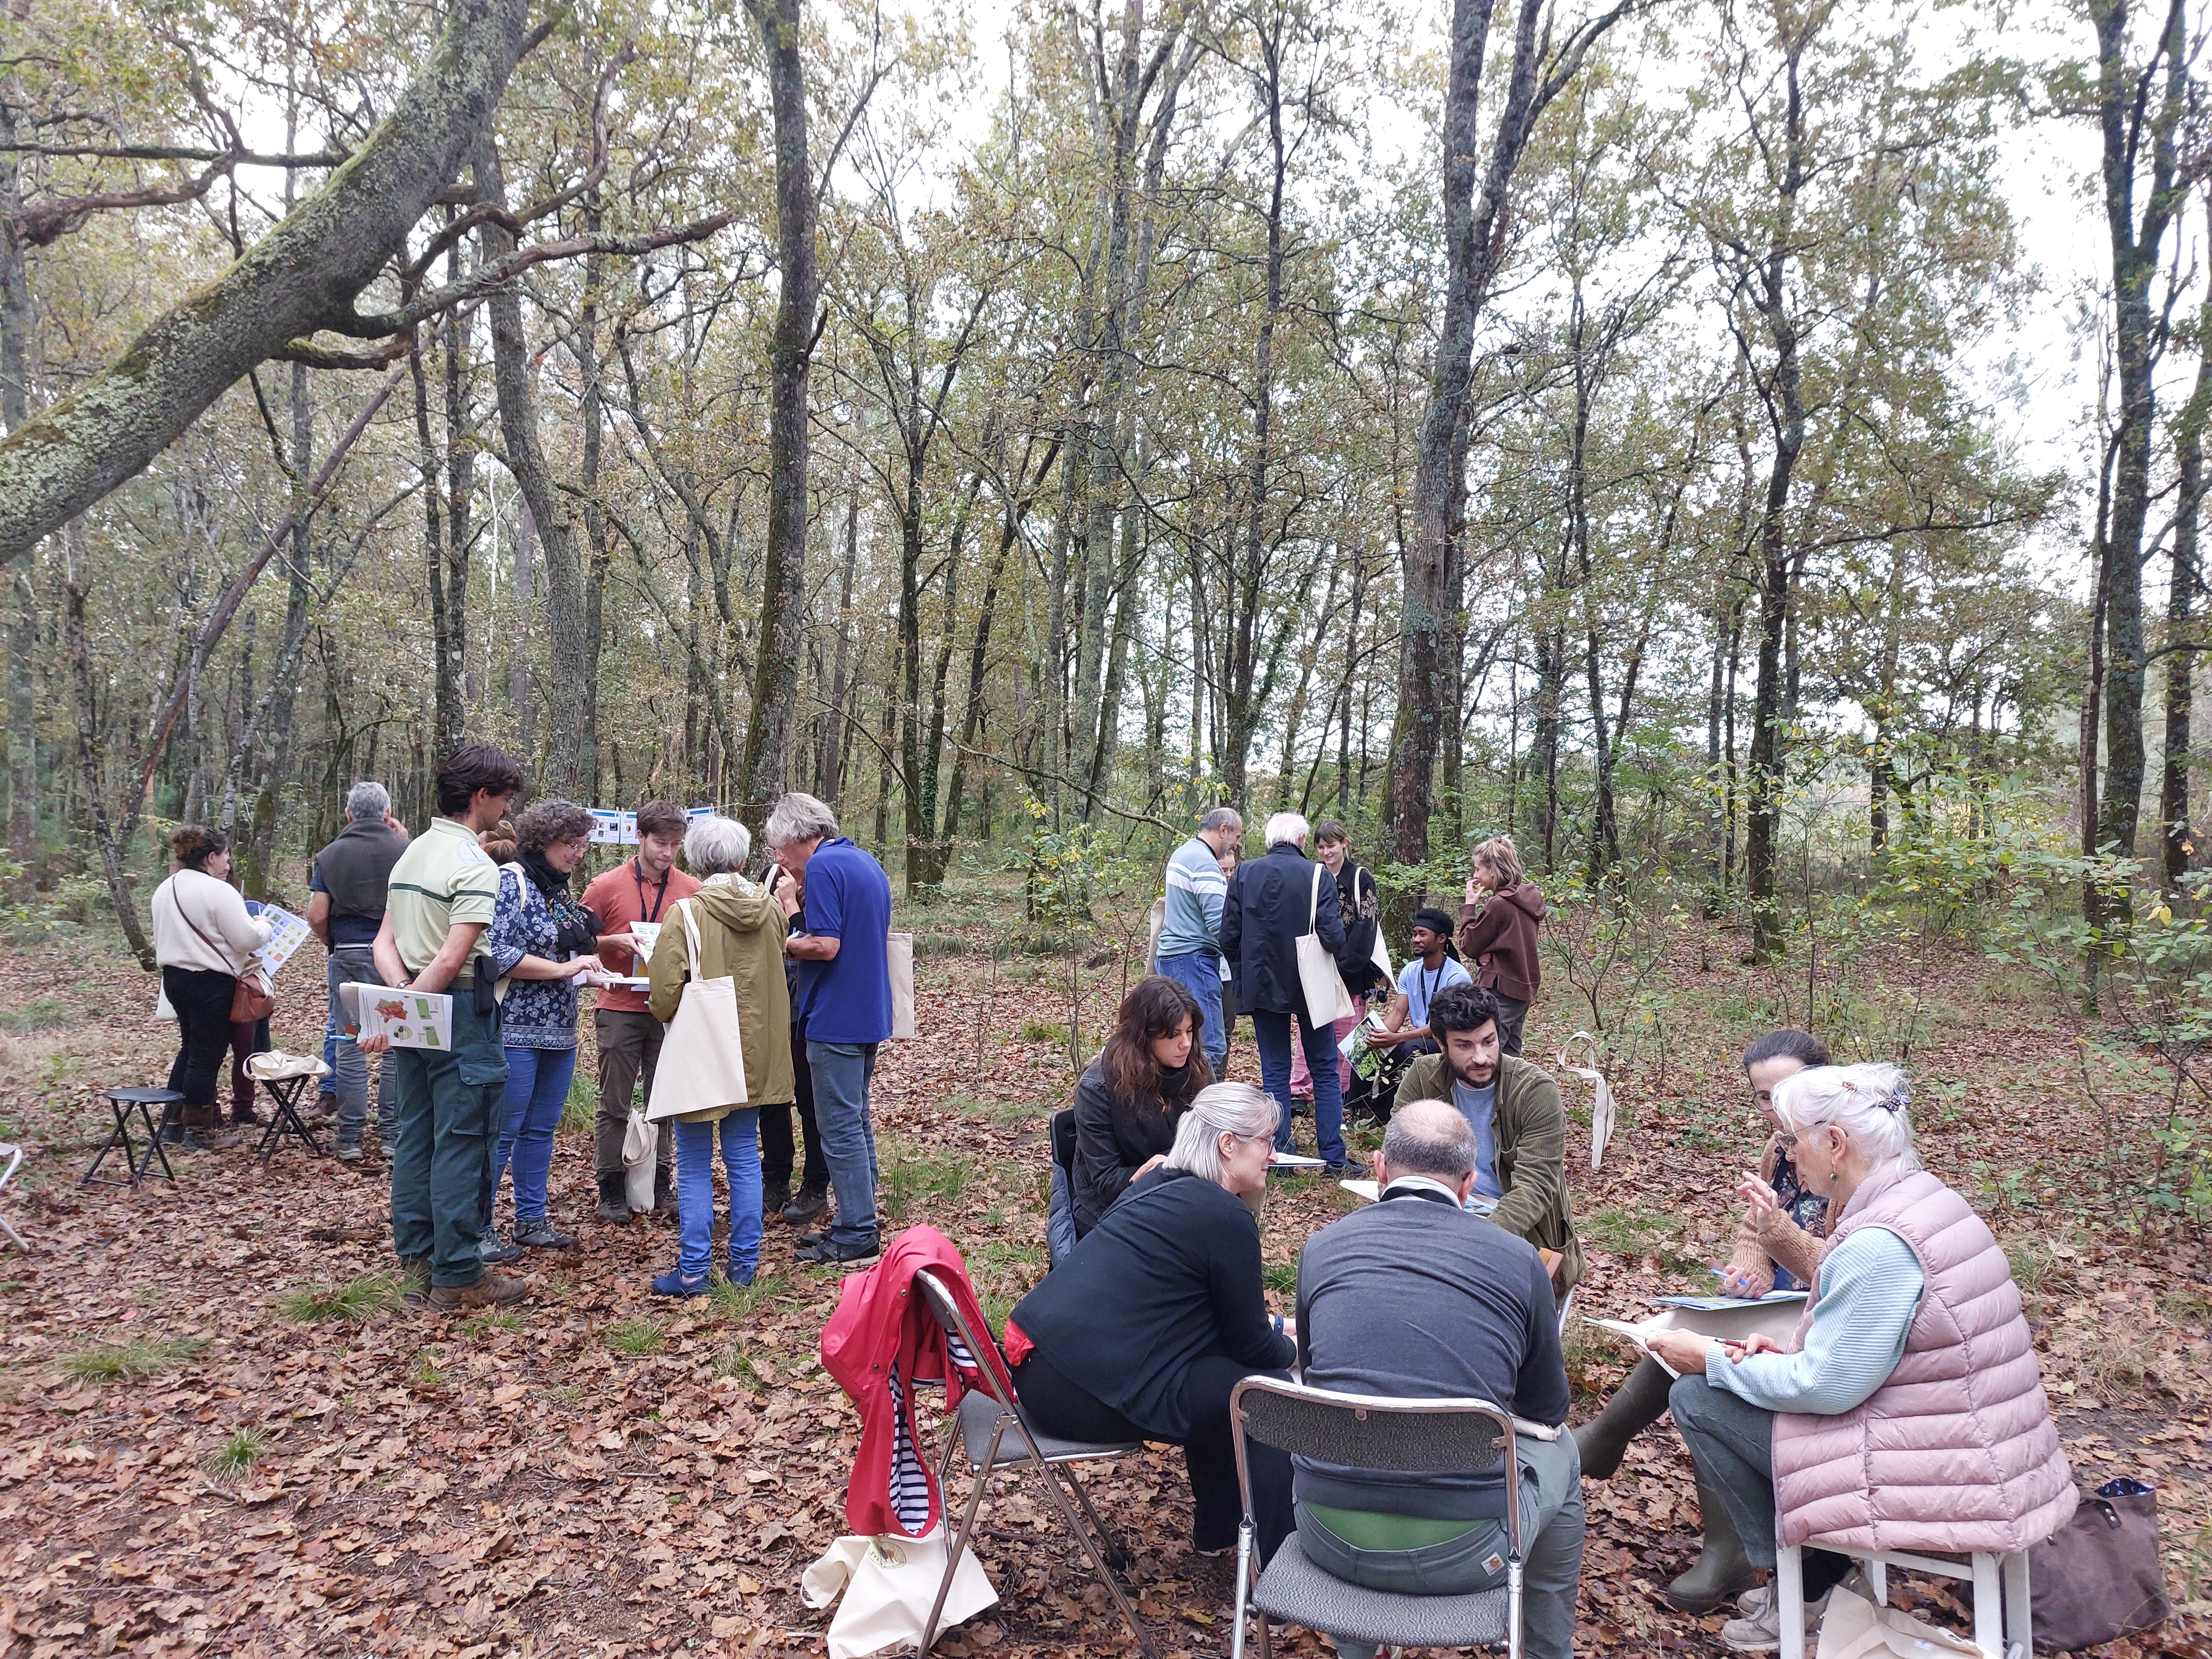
[1128, 1103]
[542, 943]
[203, 939]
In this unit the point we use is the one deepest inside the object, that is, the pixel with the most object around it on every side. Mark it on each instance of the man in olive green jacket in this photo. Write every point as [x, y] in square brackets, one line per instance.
[1520, 1128]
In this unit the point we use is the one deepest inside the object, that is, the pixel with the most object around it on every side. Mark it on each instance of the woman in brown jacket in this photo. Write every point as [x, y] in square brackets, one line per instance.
[1497, 935]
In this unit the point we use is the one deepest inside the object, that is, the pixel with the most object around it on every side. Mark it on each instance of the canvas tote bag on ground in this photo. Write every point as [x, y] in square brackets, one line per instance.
[2098, 1576]
[889, 1585]
[898, 956]
[702, 1063]
[1855, 1628]
[1326, 1000]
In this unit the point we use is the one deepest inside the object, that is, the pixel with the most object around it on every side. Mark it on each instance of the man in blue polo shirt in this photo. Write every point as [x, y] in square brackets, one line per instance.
[843, 1010]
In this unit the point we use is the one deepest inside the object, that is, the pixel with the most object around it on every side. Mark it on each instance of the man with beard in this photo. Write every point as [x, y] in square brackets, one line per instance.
[1520, 1128]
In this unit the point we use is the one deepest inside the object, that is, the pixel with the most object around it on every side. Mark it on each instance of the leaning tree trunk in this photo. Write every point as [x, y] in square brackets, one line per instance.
[304, 275]
[765, 772]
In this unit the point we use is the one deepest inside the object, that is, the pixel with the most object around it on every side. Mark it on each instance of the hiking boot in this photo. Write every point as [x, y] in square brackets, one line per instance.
[673, 1282]
[348, 1152]
[415, 1279]
[614, 1206]
[491, 1291]
[773, 1196]
[539, 1234]
[664, 1193]
[1722, 1568]
[813, 1204]
[828, 1252]
[496, 1254]
[1350, 1168]
[1762, 1633]
[173, 1126]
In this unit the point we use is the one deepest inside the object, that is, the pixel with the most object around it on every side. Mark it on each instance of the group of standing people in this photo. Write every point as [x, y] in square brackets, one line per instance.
[1230, 937]
[480, 907]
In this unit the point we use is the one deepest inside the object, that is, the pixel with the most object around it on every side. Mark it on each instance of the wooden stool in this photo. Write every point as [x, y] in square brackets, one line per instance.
[137, 1163]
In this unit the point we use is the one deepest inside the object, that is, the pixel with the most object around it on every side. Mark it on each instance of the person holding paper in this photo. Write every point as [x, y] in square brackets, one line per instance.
[641, 888]
[1145, 1328]
[1129, 1100]
[1430, 969]
[541, 951]
[844, 1009]
[203, 939]
[1411, 1297]
[345, 907]
[444, 893]
[1908, 1412]
[741, 930]
[1361, 908]
[1520, 1128]
[1778, 1246]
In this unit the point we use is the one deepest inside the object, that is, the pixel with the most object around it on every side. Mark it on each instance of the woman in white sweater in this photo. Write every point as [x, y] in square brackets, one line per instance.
[203, 938]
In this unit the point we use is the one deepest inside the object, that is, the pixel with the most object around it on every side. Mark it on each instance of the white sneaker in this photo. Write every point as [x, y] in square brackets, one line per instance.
[1762, 1632]
[1754, 1601]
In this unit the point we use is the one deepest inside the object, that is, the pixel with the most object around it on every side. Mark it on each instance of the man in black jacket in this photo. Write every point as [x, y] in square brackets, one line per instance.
[1273, 901]
[1411, 1297]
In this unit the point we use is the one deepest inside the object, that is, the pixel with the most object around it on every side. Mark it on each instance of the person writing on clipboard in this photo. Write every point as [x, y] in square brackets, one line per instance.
[642, 888]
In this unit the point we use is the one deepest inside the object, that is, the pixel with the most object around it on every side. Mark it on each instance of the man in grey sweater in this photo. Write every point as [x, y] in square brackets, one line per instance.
[1413, 1297]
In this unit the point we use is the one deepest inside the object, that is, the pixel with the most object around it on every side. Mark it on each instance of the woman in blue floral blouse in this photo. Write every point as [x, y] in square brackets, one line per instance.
[541, 942]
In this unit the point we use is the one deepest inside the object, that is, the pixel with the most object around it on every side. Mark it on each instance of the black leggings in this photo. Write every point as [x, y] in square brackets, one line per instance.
[201, 997]
[1068, 1412]
[775, 1128]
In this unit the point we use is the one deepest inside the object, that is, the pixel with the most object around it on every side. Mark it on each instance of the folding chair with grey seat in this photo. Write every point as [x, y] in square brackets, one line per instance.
[995, 1434]
[1365, 1432]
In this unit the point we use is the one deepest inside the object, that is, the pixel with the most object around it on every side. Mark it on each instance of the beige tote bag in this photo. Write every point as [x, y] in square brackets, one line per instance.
[703, 1061]
[898, 956]
[1326, 1000]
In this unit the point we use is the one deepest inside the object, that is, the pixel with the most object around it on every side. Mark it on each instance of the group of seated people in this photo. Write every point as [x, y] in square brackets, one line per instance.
[1907, 1413]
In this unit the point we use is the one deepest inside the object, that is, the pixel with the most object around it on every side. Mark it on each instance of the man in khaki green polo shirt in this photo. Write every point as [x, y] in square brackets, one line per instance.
[442, 893]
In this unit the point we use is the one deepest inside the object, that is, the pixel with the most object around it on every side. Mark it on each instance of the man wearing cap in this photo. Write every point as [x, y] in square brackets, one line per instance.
[1430, 969]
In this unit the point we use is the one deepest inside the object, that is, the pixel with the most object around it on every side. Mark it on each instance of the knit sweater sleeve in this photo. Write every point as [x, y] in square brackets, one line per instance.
[1870, 1287]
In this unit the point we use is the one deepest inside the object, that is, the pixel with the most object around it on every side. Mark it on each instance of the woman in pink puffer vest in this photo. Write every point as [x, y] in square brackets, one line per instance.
[1908, 1413]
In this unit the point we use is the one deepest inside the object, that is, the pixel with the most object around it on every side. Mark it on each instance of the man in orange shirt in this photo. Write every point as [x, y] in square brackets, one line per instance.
[640, 889]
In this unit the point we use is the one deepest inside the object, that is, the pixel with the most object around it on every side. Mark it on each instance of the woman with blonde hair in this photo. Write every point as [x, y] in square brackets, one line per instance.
[1907, 1412]
[1497, 935]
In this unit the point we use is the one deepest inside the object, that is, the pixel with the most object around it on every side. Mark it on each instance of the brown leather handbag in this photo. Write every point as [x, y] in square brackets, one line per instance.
[2098, 1577]
[255, 999]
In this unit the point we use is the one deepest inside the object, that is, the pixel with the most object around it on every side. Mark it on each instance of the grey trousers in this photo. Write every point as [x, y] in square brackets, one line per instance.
[355, 965]
[1551, 1508]
[1732, 1442]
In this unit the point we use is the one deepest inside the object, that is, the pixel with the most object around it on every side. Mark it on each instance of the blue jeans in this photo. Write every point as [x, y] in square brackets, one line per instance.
[695, 1192]
[1273, 1032]
[1201, 974]
[1550, 1510]
[841, 1074]
[537, 1090]
[355, 965]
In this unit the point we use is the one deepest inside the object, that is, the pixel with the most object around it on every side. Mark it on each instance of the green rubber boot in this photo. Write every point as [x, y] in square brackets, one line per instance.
[1722, 1569]
[1635, 1407]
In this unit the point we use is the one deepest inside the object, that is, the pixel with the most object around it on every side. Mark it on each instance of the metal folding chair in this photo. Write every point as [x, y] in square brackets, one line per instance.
[985, 1417]
[13, 1154]
[1364, 1431]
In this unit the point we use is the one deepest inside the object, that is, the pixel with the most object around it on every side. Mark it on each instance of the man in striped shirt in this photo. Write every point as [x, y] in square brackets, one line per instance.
[1190, 936]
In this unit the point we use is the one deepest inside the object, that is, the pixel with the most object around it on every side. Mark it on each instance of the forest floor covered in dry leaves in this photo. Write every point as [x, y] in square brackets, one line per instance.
[220, 1432]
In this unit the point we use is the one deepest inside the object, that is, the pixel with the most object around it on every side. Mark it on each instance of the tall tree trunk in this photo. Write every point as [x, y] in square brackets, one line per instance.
[23, 634]
[88, 747]
[569, 646]
[1431, 602]
[833, 748]
[765, 773]
[518, 663]
[590, 370]
[2138, 333]
[1881, 766]
[2182, 580]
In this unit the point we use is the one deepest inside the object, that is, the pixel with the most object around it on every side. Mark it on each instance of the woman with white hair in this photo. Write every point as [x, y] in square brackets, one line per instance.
[739, 927]
[1142, 1331]
[1273, 901]
[1907, 1412]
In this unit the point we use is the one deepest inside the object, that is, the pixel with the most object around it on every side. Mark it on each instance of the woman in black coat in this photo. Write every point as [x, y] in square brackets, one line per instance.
[1142, 1332]
[1128, 1103]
